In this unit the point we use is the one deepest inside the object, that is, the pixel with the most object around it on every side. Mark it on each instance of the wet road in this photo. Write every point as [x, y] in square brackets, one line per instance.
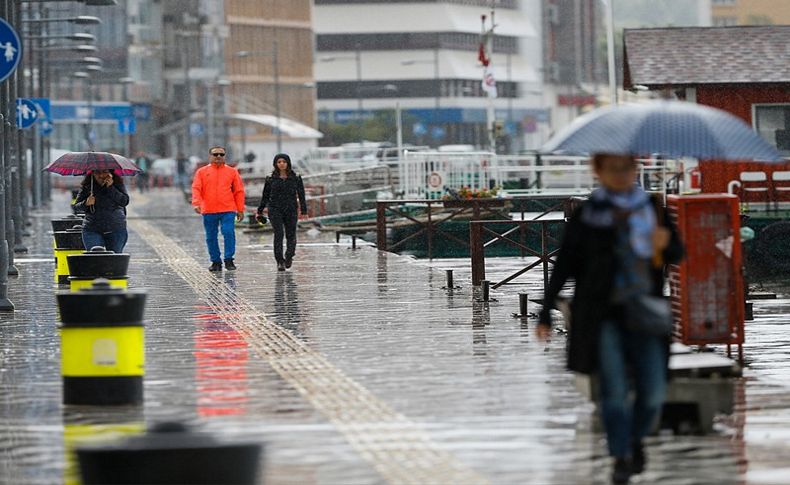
[356, 367]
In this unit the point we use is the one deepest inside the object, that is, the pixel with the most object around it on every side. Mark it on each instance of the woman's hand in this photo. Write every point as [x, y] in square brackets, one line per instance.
[661, 238]
[90, 200]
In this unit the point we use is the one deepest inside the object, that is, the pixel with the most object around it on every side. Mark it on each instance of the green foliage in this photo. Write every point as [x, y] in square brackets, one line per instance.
[380, 127]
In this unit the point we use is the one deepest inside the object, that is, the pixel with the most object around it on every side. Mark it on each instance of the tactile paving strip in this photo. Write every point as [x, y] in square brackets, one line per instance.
[398, 449]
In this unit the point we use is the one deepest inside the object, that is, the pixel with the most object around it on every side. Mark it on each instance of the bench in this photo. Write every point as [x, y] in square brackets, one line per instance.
[701, 386]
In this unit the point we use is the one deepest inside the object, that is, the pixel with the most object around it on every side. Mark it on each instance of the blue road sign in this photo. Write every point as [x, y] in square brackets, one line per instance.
[26, 113]
[45, 127]
[10, 50]
[419, 129]
[438, 132]
[44, 123]
[127, 126]
[195, 129]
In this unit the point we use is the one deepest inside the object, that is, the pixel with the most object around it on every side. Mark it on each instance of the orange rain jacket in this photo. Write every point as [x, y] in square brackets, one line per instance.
[218, 189]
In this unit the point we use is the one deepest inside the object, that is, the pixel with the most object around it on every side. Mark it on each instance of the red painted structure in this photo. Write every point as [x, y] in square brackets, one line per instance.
[707, 286]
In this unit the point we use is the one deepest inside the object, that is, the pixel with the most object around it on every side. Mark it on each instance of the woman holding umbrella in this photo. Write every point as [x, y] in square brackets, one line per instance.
[103, 198]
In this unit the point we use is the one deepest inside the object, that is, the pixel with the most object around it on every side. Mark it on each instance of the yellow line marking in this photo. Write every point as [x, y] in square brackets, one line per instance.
[399, 450]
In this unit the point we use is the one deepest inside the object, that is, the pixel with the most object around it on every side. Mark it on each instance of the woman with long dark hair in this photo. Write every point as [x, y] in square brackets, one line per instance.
[103, 198]
[279, 199]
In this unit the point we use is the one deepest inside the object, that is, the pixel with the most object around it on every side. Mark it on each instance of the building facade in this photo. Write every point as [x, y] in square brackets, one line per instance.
[423, 56]
[750, 12]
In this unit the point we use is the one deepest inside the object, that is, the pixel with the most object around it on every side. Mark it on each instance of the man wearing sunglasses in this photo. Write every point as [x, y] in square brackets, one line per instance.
[218, 194]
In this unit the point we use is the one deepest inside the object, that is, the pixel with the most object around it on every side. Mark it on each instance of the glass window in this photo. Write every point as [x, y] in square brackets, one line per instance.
[772, 122]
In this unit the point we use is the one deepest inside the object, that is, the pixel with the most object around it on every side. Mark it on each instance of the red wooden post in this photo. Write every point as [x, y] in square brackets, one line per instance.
[381, 225]
[477, 253]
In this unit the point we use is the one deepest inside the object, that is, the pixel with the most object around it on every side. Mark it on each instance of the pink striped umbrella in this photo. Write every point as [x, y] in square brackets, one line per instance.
[82, 163]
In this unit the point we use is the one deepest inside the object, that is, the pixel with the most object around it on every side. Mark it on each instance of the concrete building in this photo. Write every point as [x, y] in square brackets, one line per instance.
[423, 55]
[228, 84]
[750, 12]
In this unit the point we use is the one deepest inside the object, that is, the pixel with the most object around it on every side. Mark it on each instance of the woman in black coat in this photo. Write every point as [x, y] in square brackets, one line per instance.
[279, 199]
[103, 199]
[615, 247]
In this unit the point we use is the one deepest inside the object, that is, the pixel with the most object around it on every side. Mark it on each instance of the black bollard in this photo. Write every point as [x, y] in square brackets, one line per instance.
[170, 454]
[485, 284]
[98, 262]
[67, 243]
[102, 345]
[523, 299]
[353, 242]
[449, 274]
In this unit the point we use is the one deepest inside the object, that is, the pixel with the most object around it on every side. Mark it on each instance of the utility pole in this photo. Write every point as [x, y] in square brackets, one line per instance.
[488, 39]
[610, 50]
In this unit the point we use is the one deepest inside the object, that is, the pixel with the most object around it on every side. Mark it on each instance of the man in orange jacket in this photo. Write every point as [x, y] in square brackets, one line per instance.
[218, 194]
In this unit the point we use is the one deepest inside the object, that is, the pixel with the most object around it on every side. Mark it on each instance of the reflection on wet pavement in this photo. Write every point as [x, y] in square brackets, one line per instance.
[357, 367]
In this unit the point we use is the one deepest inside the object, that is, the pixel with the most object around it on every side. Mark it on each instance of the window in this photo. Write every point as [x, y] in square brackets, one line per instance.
[724, 2]
[772, 122]
[724, 21]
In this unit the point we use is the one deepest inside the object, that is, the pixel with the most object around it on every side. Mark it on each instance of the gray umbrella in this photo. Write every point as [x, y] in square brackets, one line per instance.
[669, 128]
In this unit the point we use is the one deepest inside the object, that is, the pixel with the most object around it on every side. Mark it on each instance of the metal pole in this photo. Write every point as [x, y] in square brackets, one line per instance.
[224, 102]
[127, 139]
[210, 114]
[399, 131]
[277, 107]
[610, 50]
[436, 80]
[490, 113]
[188, 93]
[358, 59]
[5, 303]
[46, 90]
[17, 193]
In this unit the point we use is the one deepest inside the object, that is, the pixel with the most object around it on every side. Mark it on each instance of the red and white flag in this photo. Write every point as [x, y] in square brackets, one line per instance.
[489, 82]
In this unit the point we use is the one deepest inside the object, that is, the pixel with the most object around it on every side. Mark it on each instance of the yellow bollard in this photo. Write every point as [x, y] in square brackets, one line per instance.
[102, 345]
[77, 283]
[66, 243]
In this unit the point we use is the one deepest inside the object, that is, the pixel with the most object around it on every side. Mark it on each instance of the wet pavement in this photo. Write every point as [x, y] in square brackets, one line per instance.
[355, 367]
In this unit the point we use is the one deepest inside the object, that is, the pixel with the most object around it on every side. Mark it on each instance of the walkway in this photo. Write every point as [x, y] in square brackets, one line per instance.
[354, 367]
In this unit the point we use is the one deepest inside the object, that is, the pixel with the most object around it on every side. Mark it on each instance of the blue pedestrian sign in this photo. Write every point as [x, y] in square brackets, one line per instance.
[419, 129]
[127, 126]
[44, 123]
[45, 127]
[26, 113]
[195, 129]
[10, 50]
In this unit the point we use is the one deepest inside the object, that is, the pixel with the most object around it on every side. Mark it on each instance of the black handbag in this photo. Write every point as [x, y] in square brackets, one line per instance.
[649, 314]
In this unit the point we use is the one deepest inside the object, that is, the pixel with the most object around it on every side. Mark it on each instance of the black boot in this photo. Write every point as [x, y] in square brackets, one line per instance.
[280, 266]
[289, 260]
[622, 471]
[215, 266]
[229, 264]
[638, 458]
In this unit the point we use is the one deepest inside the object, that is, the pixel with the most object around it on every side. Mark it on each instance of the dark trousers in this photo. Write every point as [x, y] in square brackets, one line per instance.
[283, 222]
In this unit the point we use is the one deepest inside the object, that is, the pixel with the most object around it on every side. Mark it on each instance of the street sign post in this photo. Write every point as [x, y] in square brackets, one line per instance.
[26, 113]
[10, 50]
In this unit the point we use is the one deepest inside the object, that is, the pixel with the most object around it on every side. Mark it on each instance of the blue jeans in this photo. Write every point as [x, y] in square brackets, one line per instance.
[226, 222]
[113, 241]
[619, 351]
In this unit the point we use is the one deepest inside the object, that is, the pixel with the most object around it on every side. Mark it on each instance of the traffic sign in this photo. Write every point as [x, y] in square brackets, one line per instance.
[45, 127]
[26, 113]
[10, 50]
[419, 129]
[127, 126]
[44, 123]
[438, 132]
[195, 129]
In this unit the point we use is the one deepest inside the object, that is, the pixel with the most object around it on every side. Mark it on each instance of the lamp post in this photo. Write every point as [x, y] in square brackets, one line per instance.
[224, 83]
[127, 139]
[357, 58]
[273, 53]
